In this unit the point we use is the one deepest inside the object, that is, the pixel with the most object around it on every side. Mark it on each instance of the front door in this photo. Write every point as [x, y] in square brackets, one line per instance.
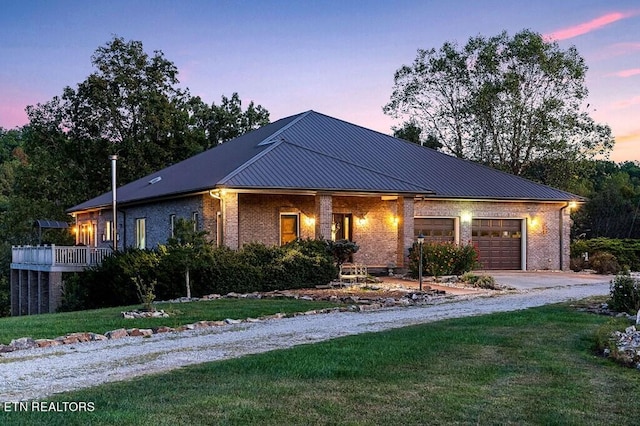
[341, 226]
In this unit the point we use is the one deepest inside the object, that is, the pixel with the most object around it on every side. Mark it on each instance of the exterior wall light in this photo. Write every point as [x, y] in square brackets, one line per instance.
[466, 217]
[534, 222]
[310, 220]
[362, 221]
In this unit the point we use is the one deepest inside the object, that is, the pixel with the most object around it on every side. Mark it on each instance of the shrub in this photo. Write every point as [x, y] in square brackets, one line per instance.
[342, 250]
[604, 263]
[480, 281]
[110, 283]
[146, 292]
[626, 251]
[255, 267]
[442, 259]
[74, 293]
[625, 294]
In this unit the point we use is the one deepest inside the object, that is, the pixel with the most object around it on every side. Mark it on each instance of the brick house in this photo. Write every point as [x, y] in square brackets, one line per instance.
[311, 176]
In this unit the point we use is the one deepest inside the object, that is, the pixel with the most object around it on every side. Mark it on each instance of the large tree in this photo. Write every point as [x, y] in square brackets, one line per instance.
[503, 101]
[130, 106]
[221, 123]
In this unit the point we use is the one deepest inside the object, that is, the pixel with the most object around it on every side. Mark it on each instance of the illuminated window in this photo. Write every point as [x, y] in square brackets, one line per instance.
[289, 227]
[108, 231]
[141, 233]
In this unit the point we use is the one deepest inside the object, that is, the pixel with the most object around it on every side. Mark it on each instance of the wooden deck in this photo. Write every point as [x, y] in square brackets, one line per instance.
[54, 258]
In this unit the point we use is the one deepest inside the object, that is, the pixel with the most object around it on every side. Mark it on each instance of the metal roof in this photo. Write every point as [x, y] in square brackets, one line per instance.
[312, 151]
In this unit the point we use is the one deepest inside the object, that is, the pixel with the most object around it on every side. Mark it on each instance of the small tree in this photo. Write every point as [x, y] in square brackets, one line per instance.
[342, 250]
[146, 292]
[185, 248]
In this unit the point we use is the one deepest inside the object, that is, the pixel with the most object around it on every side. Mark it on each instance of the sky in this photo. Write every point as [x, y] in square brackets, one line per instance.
[336, 57]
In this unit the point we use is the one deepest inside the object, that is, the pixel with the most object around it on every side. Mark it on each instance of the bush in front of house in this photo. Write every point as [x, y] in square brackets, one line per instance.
[255, 267]
[440, 259]
[111, 283]
[342, 250]
[625, 294]
[604, 263]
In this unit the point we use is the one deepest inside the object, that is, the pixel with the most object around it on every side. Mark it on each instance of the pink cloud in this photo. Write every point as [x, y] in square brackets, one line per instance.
[587, 27]
[626, 73]
[627, 103]
[629, 137]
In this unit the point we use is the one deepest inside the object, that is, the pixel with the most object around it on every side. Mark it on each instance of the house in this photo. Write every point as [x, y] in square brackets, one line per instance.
[312, 176]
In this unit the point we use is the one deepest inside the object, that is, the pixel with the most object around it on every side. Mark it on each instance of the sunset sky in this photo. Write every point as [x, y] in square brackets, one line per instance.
[335, 57]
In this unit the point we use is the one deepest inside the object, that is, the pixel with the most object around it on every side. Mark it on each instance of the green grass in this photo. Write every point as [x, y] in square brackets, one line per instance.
[529, 367]
[103, 320]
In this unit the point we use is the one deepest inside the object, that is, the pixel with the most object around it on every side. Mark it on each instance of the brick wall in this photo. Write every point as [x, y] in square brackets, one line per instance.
[259, 216]
[382, 228]
[542, 239]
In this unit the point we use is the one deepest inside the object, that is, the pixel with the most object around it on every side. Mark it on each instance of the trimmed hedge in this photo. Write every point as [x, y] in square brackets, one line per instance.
[625, 251]
[255, 267]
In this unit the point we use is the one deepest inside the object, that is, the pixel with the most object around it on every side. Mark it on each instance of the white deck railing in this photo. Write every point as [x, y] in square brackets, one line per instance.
[58, 255]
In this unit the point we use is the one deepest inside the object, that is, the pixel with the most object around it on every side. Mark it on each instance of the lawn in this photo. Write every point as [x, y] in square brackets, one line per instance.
[528, 367]
[102, 320]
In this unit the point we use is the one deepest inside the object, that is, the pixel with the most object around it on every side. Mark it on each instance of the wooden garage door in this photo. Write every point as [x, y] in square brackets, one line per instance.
[434, 229]
[499, 242]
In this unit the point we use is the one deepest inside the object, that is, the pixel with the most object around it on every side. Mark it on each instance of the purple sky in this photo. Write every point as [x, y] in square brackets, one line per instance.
[335, 57]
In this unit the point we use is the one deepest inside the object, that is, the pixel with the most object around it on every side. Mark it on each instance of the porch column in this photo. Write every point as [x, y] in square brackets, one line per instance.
[405, 209]
[231, 221]
[15, 292]
[324, 211]
[23, 283]
[55, 291]
[33, 288]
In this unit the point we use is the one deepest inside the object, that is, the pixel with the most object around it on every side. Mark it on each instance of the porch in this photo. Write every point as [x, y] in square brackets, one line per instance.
[52, 258]
[36, 274]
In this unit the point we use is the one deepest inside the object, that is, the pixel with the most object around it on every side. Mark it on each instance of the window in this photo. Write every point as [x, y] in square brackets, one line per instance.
[172, 224]
[107, 231]
[141, 233]
[289, 227]
[434, 230]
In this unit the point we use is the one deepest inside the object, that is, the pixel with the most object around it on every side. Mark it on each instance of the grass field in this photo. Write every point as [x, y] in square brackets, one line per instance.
[528, 367]
[102, 320]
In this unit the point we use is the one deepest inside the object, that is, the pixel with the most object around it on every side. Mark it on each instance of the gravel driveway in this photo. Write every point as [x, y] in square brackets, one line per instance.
[38, 373]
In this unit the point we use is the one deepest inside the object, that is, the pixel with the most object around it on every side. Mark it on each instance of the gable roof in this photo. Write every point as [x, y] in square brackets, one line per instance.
[315, 152]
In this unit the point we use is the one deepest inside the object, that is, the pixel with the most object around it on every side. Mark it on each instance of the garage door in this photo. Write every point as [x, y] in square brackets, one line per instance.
[434, 229]
[499, 242]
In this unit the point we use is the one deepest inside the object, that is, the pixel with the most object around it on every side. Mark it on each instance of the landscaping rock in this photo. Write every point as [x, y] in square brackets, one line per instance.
[116, 334]
[163, 329]
[139, 332]
[6, 348]
[23, 343]
[45, 343]
[97, 337]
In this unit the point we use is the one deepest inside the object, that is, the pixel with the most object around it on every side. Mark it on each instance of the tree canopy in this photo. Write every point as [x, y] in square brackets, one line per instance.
[129, 105]
[503, 101]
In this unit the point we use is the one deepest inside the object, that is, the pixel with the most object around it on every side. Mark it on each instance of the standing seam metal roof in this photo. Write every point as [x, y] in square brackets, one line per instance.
[312, 151]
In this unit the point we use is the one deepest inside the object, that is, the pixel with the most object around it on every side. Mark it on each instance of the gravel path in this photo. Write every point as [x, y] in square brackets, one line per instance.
[38, 373]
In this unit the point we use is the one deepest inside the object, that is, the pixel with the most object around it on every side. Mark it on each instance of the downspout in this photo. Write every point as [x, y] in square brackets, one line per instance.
[124, 230]
[220, 217]
[561, 227]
